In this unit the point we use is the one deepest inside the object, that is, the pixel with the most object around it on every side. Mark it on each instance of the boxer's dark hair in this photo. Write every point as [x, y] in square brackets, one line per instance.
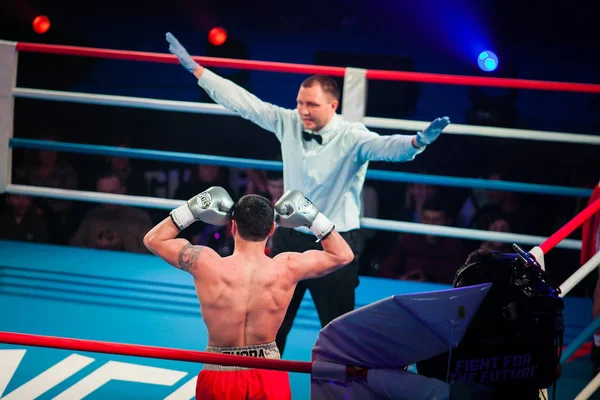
[254, 216]
[328, 84]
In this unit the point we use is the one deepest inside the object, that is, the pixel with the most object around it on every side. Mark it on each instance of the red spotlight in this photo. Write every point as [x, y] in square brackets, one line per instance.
[41, 24]
[217, 36]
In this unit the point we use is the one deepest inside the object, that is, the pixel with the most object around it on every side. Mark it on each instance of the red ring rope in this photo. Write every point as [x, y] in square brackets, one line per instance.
[154, 352]
[312, 69]
[168, 58]
[570, 226]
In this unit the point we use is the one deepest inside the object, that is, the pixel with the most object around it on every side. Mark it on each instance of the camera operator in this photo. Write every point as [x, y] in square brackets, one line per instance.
[513, 345]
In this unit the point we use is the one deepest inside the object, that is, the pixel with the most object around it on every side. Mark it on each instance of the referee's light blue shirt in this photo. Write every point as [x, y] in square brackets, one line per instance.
[331, 175]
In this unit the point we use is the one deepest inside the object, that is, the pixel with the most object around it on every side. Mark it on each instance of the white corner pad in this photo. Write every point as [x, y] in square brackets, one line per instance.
[354, 100]
[539, 256]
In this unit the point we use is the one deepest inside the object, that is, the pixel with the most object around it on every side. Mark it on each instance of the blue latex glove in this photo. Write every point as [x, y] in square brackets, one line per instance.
[178, 50]
[432, 131]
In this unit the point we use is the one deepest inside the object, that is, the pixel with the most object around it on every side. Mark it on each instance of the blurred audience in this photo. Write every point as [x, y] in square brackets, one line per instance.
[414, 257]
[268, 184]
[274, 185]
[22, 221]
[483, 207]
[426, 258]
[478, 199]
[256, 182]
[498, 225]
[202, 177]
[112, 226]
[132, 178]
[505, 204]
[416, 195]
[46, 168]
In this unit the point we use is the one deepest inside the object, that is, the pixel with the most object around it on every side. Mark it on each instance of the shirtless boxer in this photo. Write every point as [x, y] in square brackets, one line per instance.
[244, 297]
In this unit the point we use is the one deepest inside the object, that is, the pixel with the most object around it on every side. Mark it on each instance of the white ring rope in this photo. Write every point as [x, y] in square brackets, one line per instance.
[489, 131]
[122, 101]
[580, 274]
[372, 122]
[367, 223]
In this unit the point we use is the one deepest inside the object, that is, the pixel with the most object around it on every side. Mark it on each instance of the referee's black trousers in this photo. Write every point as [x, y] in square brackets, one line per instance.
[332, 294]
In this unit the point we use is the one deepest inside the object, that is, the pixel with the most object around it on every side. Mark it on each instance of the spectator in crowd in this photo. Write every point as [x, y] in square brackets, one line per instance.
[425, 258]
[415, 196]
[133, 178]
[111, 226]
[256, 182]
[478, 199]
[265, 183]
[274, 185]
[22, 221]
[482, 207]
[506, 204]
[48, 169]
[499, 224]
[202, 176]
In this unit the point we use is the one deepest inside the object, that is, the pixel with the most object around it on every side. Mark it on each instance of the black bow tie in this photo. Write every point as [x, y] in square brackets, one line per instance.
[308, 136]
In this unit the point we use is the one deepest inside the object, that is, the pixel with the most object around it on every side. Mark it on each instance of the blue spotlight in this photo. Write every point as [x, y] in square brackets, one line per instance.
[487, 61]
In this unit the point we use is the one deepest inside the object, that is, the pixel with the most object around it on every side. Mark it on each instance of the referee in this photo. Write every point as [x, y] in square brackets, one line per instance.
[324, 157]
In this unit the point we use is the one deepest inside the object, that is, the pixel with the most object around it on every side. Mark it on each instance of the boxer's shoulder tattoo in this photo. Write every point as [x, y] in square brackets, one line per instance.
[188, 256]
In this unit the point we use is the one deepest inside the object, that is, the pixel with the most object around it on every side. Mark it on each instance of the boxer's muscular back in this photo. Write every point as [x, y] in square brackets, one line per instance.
[243, 299]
